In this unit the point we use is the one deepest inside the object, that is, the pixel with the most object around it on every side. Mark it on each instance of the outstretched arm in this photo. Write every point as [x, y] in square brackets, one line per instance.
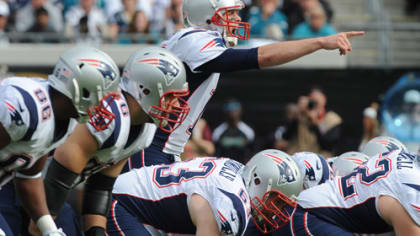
[395, 214]
[276, 53]
[283, 52]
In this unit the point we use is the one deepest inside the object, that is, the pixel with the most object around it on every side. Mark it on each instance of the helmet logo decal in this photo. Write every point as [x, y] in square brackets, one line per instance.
[354, 160]
[309, 171]
[168, 69]
[276, 159]
[105, 69]
[286, 174]
[390, 146]
[215, 42]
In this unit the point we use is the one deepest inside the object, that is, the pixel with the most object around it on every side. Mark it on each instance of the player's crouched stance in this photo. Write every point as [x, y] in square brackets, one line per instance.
[153, 86]
[37, 115]
[205, 196]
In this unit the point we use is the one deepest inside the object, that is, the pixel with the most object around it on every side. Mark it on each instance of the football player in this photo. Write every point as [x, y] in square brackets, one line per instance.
[377, 197]
[315, 171]
[212, 27]
[37, 115]
[205, 196]
[153, 85]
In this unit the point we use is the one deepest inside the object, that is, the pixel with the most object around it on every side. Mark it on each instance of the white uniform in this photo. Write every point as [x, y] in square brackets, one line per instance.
[26, 114]
[350, 201]
[119, 140]
[158, 196]
[194, 47]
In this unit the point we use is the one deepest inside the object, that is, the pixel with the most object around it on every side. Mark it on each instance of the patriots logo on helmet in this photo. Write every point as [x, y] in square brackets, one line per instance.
[14, 114]
[168, 69]
[286, 173]
[105, 69]
[390, 146]
[309, 171]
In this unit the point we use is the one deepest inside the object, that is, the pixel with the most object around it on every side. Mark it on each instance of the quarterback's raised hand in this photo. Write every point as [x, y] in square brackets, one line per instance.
[340, 41]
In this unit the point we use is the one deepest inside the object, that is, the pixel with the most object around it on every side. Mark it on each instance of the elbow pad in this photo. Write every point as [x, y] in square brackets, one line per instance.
[58, 182]
[97, 195]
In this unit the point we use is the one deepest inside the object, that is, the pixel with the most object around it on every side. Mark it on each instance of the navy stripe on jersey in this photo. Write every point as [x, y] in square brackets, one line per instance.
[169, 214]
[190, 32]
[325, 170]
[33, 113]
[361, 218]
[239, 207]
[114, 136]
[133, 134]
[415, 186]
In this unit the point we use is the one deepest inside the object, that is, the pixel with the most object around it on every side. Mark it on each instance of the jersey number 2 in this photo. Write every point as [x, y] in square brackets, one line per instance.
[164, 176]
[367, 177]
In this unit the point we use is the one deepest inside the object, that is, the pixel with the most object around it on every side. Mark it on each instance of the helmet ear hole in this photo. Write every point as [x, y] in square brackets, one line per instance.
[208, 21]
[257, 181]
[85, 93]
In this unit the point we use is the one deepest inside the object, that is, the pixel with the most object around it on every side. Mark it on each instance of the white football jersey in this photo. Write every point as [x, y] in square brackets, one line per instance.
[119, 140]
[194, 47]
[26, 114]
[350, 201]
[159, 195]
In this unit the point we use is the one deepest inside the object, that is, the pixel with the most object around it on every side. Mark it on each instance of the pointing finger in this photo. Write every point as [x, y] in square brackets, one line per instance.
[354, 33]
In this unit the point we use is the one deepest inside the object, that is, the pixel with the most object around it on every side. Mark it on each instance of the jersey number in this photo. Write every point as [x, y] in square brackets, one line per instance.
[164, 176]
[367, 177]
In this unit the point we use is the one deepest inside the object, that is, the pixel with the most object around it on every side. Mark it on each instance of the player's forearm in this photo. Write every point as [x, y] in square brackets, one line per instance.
[32, 195]
[93, 221]
[283, 52]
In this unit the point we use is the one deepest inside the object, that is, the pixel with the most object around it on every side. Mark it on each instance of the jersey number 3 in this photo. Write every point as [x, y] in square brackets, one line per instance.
[367, 177]
[168, 175]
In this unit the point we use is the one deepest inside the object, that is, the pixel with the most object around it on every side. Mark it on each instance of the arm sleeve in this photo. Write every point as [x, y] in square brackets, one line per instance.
[232, 60]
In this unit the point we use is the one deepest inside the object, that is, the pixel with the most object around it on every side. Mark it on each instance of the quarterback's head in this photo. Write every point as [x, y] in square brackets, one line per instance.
[89, 78]
[273, 181]
[220, 15]
[156, 78]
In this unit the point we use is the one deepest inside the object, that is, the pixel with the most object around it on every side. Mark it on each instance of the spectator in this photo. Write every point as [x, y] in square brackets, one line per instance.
[316, 129]
[406, 125]
[265, 17]
[137, 30]
[314, 26]
[233, 138]
[41, 23]
[280, 142]
[158, 17]
[174, 20]
[121, 20]
[25, 17]
[200, 143]
[295, 11]
[86, 22]
[67, 4]
[370, 125]
[4, 16]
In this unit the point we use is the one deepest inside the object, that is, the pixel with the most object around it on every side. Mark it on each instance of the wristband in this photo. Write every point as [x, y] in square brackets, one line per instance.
[46, 223]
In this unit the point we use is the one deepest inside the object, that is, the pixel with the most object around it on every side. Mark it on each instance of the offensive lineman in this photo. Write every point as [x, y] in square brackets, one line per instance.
[37, 115]
[152, 85]
[213, 26]
[205, 196]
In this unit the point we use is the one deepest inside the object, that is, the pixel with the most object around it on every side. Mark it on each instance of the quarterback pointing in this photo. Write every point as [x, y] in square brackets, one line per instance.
[212, 27]
[153, 84]
[37, 115]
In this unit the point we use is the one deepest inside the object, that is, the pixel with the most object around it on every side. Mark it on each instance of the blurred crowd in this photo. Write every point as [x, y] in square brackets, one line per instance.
[149, 21]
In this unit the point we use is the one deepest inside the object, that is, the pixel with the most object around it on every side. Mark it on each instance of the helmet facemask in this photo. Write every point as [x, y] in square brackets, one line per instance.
[99, 116]
[233, 29]
[269, 213]
[172, 110]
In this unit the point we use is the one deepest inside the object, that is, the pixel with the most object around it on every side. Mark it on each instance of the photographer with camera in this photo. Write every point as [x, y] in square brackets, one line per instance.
[315, 129]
